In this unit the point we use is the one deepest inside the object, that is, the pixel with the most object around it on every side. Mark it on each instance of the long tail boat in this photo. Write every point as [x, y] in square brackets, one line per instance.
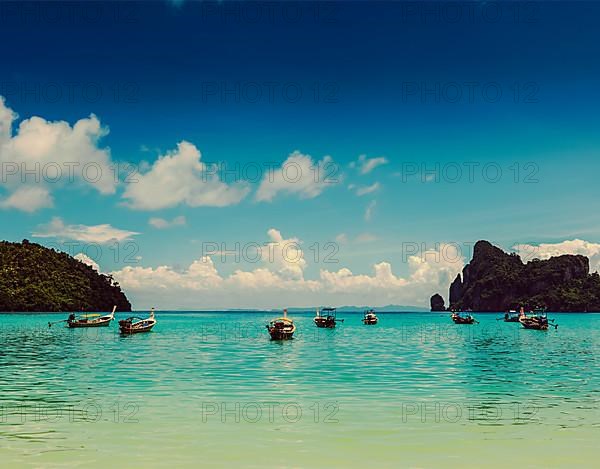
[90, 320]
[135, 325]
[327, 320]
[538, 321]
[369, 317]
[459, 318]
[281, 328]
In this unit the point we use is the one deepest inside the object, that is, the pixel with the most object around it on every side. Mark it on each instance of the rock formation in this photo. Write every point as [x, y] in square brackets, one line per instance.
[437, 303]
[496, 281]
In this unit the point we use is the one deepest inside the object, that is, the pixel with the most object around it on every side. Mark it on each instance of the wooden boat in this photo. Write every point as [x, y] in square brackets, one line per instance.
[281, 328]
[538, 321]
[534, 322]
[327, 320]
[370, 317]
[90, 320]
[459, 318]
[135, 325]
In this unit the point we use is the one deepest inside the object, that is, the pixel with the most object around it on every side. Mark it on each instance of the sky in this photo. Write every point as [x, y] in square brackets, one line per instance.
[214, 155]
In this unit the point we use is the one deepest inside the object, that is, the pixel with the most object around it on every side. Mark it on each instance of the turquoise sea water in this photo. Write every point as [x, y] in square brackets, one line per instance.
[211, 390]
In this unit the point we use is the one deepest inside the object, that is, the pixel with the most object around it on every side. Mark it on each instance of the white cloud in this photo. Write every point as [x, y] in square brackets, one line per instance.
[437, 266]
[364, 190]
[28, 199]
[285, 255]
[201, 275]
[548, 250]
[7, 117]
[369, 210]
[180, 177]
[279, 282]
[345, 281]
[366, 165]
[47, 155]
[429, 272]
[298, 175]
[88, 261]
[100, 234]
[161, 223]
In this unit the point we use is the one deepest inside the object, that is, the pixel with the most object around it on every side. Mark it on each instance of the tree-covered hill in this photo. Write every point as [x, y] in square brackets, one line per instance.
[496, 281]
[35, 278]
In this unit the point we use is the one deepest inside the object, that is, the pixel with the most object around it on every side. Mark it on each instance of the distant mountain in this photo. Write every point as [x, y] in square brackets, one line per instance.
[35, 278]
[496, 281]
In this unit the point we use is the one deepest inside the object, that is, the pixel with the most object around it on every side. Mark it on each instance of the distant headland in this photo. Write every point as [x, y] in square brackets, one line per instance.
[35, 278]
[497, 281]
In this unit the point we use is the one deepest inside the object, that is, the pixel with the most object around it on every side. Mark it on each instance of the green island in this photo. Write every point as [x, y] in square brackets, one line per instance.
[496, 281]
[34, 278]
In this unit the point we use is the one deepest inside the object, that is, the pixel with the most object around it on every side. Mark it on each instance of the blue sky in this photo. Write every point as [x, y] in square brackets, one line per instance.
[419, 90]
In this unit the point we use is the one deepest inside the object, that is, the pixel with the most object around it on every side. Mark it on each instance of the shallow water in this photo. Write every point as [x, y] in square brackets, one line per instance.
[210, 389]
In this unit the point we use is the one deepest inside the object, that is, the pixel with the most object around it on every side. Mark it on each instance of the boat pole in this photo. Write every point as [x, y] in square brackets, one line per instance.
[56, 322]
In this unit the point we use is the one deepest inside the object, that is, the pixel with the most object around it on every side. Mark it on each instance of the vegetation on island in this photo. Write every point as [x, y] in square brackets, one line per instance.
[35, 278]
[497, 281]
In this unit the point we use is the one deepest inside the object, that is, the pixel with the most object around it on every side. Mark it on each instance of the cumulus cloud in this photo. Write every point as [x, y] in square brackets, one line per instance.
[28, 199]
[180, 177]
[284, 255]
[430, 271]
[100, 234]
[280, 281]
[548, 250]
[161, 223]
[366, 165]
[345, 281]
[44, 155]
[200, 276]
[7, 117]
[81, 257]
[298, 175]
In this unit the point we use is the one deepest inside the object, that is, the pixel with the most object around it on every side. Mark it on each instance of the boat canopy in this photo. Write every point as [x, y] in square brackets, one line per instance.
[282, 320]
